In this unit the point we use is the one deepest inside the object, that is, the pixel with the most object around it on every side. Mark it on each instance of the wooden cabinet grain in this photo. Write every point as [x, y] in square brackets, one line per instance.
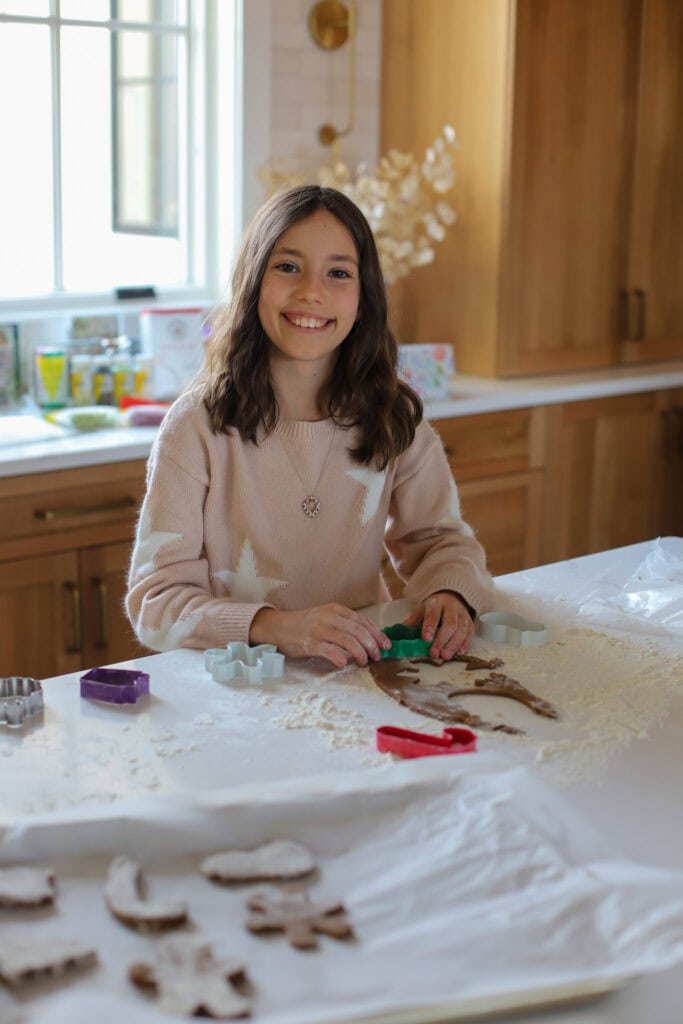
[613, 473]
[65, 540]
[569, 238]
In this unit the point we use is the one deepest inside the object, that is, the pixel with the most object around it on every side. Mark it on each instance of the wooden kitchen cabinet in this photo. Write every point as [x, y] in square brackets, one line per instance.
[614, 473]
[65, 540]
[568, 116]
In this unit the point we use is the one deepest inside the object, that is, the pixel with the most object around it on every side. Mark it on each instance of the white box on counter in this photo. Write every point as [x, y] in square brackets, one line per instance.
[427, 368]
[174, 341]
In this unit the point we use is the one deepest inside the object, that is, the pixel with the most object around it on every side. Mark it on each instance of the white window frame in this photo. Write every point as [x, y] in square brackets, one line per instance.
[231, 141]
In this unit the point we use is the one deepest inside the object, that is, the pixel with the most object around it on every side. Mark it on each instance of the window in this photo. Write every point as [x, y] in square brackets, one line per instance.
[109, 152]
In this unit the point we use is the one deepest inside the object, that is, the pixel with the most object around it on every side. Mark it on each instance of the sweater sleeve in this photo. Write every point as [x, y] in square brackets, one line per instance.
[170, 602]
[430, 545]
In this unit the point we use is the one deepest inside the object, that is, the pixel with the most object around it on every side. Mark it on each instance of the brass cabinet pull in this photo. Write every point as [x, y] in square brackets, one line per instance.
[102, 639]
[85, 510]
[635, 328]
[73, 592]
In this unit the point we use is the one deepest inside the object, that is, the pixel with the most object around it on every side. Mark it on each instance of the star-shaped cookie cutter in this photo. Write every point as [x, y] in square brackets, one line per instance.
[240, 662]
[20, 697]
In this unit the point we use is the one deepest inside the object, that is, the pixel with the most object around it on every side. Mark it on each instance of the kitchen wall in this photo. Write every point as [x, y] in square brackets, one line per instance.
[309, 85]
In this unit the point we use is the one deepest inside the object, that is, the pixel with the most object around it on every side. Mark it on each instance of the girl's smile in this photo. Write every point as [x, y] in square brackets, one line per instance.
[310, 291]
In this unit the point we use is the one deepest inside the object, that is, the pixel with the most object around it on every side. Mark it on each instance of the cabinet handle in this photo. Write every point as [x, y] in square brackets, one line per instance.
[74, 594]
[635, 327]
[102, 639]
[84, 510]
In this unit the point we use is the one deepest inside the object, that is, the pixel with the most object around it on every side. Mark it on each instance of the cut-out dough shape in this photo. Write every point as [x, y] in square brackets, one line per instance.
[125, 895]
[401, 681]
[299, 917]
[239, 661]
[34, 957]
[280, 859]
[26, 887]
[190, 981]
[508, 628]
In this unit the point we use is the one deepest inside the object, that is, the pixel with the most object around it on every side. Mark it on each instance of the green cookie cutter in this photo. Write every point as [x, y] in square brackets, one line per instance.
[406, 642]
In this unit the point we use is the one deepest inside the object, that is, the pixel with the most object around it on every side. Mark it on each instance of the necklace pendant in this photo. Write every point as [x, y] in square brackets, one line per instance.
[311, 506]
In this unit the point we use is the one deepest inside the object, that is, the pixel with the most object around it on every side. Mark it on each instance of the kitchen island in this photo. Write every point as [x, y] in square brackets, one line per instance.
[601, 790]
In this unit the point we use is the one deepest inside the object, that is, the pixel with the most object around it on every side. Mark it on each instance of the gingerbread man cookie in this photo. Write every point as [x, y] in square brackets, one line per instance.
[299, 917]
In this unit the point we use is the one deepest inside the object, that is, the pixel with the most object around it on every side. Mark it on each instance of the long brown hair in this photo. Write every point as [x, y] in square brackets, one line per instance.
[366, 391]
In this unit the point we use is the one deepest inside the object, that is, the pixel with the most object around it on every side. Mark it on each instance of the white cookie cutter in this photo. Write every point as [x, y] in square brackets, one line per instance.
[240, 661]
[508, 628]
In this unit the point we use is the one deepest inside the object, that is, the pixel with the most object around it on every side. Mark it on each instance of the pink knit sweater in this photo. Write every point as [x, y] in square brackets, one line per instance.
[222, 532]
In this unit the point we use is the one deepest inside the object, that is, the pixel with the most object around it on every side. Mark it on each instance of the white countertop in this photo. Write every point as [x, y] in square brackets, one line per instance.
[193, 736]
[470, 395]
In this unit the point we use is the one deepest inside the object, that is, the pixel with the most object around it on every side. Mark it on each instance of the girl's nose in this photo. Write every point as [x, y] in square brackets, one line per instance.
[309, 287]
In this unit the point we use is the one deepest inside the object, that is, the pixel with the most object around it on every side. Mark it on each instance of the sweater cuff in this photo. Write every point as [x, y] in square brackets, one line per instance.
[234, 621]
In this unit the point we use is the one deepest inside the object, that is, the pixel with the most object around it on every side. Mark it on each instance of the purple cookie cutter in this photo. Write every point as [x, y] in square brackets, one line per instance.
[115, 685]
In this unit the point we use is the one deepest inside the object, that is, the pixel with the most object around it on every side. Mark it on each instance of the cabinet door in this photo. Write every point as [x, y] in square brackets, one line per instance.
[505, 513]
[107, 633]
[604, 475]
[656, 253]
[573, 118]
[670, 516]
[40, 626]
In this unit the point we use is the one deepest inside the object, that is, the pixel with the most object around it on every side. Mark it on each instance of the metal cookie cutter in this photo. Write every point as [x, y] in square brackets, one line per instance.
[506, 627]
[20, 697]
[405, 743]
[239, 661]
[115, 685]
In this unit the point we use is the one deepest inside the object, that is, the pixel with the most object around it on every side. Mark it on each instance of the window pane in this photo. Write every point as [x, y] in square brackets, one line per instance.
[86, 10]
[29, 8]
[96, 257]
[145, 133]
[166, 12]
[26, 252]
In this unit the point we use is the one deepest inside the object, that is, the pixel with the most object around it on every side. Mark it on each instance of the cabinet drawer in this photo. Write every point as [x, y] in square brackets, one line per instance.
[489, 444]
[76, 507]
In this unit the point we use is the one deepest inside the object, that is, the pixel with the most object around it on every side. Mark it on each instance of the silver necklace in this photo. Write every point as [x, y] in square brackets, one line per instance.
[311, 506]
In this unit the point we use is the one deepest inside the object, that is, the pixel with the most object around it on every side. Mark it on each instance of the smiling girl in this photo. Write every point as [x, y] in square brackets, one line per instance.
[282, 474]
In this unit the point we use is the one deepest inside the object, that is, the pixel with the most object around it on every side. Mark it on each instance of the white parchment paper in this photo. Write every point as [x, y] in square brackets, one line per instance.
[459, 885]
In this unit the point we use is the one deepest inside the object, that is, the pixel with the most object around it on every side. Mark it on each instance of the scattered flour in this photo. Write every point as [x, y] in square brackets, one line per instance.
[608, 692]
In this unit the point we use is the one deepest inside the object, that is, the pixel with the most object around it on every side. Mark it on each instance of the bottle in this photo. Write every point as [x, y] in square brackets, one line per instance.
[103, 380]
[51, 377]
[81, 379]
[142, 376]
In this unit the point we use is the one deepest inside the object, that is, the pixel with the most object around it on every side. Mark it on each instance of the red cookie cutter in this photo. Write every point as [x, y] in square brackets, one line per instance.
[404, 743]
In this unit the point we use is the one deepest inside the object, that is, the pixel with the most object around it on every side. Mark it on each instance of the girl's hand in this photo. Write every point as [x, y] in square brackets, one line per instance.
[328, 631]
[447, 621]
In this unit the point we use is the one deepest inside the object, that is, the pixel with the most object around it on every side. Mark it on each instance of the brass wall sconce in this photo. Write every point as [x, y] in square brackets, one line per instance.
[331, 23]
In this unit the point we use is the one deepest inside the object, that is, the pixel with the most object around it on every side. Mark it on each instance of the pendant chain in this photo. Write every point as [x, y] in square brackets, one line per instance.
[311, 506]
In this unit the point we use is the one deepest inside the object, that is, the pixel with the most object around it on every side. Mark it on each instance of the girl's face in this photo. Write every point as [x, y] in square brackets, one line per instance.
[310, 291]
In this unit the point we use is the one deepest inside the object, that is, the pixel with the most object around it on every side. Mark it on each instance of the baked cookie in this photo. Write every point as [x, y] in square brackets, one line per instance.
[299, 917]
[26, 887]
[190, 981]
[279, 860]
[125, 895]
[33, 958]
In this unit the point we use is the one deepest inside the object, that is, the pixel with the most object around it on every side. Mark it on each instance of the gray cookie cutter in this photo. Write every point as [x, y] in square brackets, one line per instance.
[20, 697]
[508, 628]
[238, 661]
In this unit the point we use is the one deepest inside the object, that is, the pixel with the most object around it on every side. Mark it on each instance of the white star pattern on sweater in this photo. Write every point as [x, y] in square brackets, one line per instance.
[148, 544]
[170, 633]
[373, 482]
[246, 584]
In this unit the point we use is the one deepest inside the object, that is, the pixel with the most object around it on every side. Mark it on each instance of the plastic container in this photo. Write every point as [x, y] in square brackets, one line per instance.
[51, 375]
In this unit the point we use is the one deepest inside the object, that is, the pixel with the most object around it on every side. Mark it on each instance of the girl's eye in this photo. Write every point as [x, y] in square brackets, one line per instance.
[288, 268]
[340, 272]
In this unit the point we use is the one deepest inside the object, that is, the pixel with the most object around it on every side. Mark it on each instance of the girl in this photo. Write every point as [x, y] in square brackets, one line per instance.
[279, 476]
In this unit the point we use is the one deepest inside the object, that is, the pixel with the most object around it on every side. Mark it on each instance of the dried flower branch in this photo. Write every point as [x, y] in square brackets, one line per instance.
[403, 201]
